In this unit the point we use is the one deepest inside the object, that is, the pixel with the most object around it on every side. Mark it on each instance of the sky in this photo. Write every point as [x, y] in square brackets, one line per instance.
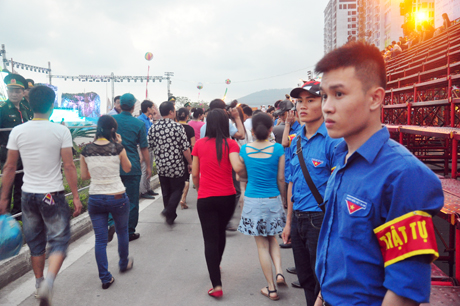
[256, 44]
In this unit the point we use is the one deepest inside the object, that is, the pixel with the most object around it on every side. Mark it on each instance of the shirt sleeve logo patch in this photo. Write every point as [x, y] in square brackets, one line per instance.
[316, 162]
[354, 204]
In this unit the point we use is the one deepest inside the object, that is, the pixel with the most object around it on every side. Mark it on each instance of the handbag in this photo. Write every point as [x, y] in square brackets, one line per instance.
[10, 237]
[306, 174]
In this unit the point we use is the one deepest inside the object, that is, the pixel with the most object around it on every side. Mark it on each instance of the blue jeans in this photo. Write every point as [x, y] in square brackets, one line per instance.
[99, 207]
[44, 222]
[305, 229]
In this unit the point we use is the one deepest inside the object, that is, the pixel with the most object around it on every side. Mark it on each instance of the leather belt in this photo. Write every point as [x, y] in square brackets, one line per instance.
[57, 193]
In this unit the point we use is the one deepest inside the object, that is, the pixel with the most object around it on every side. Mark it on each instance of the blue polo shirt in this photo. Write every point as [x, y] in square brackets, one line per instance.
[231, 126]
[296, 129]
[146, 121]
[132, 132]
[318, 153]
[386, 181]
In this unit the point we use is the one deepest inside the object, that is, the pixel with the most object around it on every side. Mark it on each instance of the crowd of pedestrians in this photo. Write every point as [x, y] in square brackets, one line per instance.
[317, 169]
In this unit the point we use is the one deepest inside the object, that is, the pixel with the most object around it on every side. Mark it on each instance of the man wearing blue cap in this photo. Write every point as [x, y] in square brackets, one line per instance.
[13, 112]
[132, 132]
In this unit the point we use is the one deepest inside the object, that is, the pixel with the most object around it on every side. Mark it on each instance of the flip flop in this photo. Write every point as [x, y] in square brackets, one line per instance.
[129, 266]
[280, 283]
[276, 298]
[107, 285]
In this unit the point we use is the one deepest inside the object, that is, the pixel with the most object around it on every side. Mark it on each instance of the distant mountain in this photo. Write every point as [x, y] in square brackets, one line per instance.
[265, 97]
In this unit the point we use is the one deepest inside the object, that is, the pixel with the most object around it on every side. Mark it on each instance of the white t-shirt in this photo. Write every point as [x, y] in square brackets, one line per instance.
[248, 126]
[39, 143]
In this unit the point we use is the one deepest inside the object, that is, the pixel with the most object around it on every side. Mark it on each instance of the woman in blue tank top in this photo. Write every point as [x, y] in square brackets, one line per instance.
[263, 216]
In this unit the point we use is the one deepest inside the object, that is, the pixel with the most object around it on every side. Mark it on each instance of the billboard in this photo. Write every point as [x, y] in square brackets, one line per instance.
[88, 104]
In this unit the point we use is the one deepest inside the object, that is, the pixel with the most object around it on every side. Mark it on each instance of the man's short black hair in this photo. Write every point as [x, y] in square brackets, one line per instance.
[41, 99]
[165, 108]
[145, 105]
[366, 59]
[116, 98]
[217, 103]
[247, 110]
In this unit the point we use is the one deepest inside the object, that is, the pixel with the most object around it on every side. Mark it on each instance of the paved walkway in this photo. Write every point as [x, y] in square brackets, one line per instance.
[169, 269]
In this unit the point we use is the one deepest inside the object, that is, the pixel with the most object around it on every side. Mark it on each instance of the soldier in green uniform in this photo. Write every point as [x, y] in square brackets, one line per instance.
[30, 84]
[13, 112]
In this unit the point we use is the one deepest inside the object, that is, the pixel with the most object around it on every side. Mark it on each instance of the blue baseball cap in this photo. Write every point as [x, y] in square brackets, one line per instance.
[128, 99]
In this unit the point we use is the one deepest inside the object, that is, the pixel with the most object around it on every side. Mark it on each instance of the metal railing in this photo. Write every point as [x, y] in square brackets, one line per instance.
[66, 195]
[22, 171]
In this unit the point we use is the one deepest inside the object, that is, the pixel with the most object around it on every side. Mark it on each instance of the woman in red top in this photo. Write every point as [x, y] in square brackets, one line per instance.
[215, 155]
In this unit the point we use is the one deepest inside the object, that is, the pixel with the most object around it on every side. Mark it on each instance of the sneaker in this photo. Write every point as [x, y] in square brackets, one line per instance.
[147, 196]
[111, 233]
[45, 294]
[151, 192]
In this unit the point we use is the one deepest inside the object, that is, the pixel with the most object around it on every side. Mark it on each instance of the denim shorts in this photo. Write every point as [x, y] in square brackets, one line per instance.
[44, 223]
[262, 216]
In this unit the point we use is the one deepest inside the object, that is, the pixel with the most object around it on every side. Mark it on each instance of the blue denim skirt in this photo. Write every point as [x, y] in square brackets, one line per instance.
[262, 217]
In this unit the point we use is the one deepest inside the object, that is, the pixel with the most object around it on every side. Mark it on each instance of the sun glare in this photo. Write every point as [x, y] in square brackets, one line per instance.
[422, 16]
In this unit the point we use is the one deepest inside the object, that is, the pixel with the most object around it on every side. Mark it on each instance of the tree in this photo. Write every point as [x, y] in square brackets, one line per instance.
[180, 101]
[200, 104]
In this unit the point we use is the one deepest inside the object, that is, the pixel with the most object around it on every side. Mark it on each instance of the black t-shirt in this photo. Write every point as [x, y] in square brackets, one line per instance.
[190, 133]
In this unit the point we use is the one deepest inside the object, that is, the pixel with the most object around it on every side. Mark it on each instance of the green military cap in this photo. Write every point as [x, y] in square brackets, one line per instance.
[30, 83]
[15, 81]
[128, 99]
[172, 99]
[188, 104]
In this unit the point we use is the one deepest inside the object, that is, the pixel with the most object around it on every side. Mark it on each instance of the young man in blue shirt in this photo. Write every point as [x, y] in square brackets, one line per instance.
[148, 109]
[377, 240]
[304, 217]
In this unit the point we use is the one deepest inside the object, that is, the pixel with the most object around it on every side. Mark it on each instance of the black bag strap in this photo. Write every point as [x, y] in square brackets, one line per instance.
[306, 174]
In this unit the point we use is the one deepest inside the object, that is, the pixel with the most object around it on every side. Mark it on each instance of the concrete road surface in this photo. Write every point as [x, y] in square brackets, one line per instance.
[169, 268]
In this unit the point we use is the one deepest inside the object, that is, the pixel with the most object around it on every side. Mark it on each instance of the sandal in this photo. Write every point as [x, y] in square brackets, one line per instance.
[280, 283]
[107, 285]
[129, 266]
[183, 205]
[275, 298]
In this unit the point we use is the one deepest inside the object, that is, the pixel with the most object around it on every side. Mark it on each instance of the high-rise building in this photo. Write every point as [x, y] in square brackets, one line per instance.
[450, 7]
[380, 21]
[424, 10]
[340, 23]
